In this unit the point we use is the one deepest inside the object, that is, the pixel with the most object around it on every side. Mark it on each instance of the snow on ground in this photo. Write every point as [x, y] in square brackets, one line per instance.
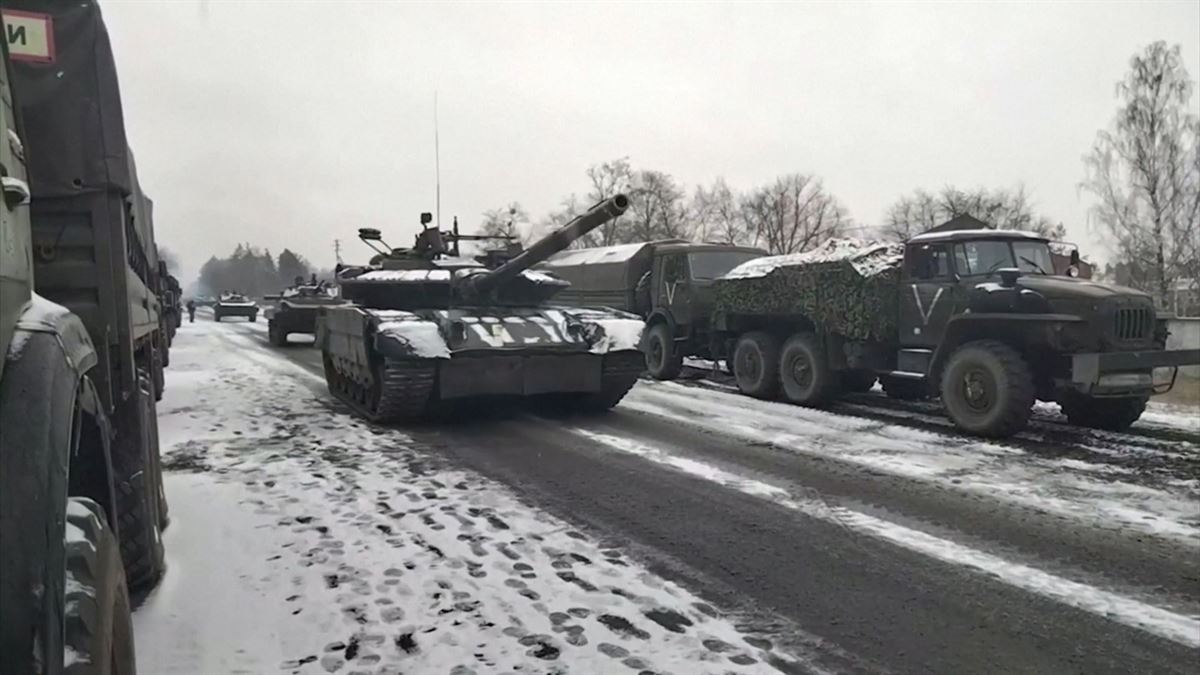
[303, 540]
[1000, 471]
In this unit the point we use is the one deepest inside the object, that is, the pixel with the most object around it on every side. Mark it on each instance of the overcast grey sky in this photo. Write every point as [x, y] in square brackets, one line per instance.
[294, 123]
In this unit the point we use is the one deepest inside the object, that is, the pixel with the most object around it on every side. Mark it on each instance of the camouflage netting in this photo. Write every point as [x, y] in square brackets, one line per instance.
[847, 286]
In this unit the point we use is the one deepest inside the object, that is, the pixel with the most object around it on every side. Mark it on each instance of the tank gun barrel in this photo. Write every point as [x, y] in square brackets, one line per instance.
[550, 244]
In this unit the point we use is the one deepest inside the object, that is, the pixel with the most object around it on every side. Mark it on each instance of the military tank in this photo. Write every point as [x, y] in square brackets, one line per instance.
[235, 304]
[296, 308]
[422, 327]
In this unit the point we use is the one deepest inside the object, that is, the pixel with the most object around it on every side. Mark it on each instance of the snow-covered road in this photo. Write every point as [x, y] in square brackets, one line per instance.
[692, 530]
[305, 540]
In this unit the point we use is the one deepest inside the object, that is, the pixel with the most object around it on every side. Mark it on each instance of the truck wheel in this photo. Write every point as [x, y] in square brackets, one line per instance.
[97, 629]
[663, 360]
[756, 364]
[1109, 414]
[857, 381]
[904, 389]
[987, 389]
[804, 371]
[137, 486]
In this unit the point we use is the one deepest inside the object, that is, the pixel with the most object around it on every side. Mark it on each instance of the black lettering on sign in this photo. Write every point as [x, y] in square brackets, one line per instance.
[16, 35]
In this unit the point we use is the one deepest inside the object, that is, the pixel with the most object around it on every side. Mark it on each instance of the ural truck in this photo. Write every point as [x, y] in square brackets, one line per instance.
[976, 317]
[668, 283]
[81, 500]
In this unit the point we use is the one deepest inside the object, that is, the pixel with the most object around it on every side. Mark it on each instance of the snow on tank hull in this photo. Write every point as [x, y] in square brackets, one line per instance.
[396, 364]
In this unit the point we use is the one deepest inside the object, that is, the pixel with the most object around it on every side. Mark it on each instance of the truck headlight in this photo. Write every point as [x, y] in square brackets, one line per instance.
[1126, 380]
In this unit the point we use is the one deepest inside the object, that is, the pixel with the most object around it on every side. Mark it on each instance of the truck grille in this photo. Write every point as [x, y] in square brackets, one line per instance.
[1135, 323]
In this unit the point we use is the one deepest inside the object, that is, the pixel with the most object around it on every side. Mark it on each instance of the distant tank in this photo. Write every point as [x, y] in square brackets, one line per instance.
[423, 327]
[235, 304]
[295, 310]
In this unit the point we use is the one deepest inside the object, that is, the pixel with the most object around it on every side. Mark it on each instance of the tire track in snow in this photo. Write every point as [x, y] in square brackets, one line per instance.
[996, 471]
[1164, 623]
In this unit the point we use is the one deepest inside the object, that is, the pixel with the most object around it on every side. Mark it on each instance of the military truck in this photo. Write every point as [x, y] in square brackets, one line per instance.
[668, 283]
[976, 317]
[81, 500]
[235, 304]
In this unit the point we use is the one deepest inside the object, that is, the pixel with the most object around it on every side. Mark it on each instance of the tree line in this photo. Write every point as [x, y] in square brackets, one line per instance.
[252, 271]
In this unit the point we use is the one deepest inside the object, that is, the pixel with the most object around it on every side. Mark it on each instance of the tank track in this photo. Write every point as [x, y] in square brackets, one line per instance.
[621, 371]
[404, 389]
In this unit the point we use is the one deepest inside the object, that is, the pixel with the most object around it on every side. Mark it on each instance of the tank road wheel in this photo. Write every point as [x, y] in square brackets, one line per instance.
[857, 381]
[97, 629]
[804, 371]
[987, 389]
[663, 360]
[756, 364]
[903, 389]
[276, 335]
[1109, 414]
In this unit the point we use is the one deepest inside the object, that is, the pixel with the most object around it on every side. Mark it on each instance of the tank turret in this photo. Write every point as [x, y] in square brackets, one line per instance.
[430, 275]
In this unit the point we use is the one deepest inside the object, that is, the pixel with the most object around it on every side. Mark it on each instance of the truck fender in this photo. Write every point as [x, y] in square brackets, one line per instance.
[656, 317]
[1008, 327]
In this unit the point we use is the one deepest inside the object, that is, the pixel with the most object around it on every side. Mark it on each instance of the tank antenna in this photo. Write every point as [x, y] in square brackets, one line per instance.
[437, 163]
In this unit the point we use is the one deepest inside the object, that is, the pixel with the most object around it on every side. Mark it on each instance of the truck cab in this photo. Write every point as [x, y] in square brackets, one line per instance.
[676, 295]
[985, 322]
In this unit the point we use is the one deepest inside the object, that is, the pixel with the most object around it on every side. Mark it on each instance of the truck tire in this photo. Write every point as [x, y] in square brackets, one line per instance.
[137, 484]
[275, 334]
[987, 389]
[1109, 414]
[904, 389]
[756, 364]
[804, 371]
[663, 360]
[97, 628]
[857, 381]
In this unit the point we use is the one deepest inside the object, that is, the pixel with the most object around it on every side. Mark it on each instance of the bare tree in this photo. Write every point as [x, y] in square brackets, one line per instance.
[1002, 209]
[717, 215]
[568, 209]
[793, 214]
[608, 179]
[1145, 173]
[656, 208]
[509, 221]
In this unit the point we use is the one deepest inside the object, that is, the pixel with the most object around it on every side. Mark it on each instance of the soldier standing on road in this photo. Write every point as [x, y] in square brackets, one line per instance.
[191, 306]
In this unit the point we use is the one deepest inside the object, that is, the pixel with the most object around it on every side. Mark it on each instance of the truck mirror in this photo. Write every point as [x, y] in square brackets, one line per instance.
[1075, 257]
[1009, 276]
[426, 218]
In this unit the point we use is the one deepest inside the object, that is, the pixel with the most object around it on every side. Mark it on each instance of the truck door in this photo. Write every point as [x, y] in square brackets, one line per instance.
[928, 294]
[673, 290]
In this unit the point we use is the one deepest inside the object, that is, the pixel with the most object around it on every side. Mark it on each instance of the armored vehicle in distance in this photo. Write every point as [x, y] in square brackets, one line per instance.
[422, 327]
[296, 309]
[235, 304]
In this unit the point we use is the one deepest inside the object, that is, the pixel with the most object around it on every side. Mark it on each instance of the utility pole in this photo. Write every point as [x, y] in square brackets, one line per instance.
[337, 250]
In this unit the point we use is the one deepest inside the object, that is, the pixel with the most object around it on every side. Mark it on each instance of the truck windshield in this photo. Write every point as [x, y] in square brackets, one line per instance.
[712, 264]
[981, 258]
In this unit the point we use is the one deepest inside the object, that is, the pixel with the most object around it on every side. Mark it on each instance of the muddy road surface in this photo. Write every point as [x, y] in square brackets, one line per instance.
[691, 530]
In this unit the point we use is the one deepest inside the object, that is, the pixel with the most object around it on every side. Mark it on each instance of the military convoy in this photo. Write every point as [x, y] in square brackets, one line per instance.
[668, 283]
[84, 337]
[423, 328]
